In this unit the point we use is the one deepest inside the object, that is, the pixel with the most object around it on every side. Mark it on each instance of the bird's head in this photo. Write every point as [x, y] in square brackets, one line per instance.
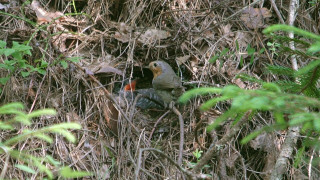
[156, 67]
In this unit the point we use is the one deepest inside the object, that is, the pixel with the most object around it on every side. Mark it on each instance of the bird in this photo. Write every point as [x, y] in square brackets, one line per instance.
[165, 82]
[148, 98]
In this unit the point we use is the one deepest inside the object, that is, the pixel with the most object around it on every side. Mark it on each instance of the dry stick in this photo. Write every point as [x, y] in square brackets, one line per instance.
[36, 97]
[189, 174]
[5, 166]
[133, 162]
[277, 11]
[214, 148]
[268, 55]
[196, 134]
[175, 110]
[293, 132]
[155, 125]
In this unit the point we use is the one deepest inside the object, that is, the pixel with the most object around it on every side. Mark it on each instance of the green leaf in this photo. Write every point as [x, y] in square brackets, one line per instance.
[67, 172]
[2, 44]
[279, 117]
[195, 92]
[25, 74]
[68, 135]
[8, 52]
[251, 50]
[212, 102]
[44, 137]
[262, 50]
[4, 80]
[224, 51]
[300, 118]
[52, 161]
[23, 118]
[42, 112]
[220, 119]
[271, 87]
[251, 136]
[64, 64]
[41, 71]
[214, 58]
[308, 67]
[314, 48]
[5, 126]
[14, 105]
[70, 125]
[287, 28]
[74, 59]
[25, 168]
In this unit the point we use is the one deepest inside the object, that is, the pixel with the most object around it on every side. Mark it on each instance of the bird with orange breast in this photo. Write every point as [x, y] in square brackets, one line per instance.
[165, 82]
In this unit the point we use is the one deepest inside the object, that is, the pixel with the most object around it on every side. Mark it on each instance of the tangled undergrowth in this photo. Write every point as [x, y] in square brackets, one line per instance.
[78, 48]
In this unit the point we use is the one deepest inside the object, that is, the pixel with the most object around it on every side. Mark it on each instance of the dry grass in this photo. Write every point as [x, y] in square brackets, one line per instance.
[113, 35]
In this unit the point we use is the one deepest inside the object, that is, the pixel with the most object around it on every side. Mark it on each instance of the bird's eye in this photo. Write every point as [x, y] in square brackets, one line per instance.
[155, 64]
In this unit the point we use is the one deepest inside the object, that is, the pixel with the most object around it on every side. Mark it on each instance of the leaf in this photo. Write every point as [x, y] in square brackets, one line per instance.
[224, 51]
[42, 112]
[64, 64]
[251, 136]
[68, 135]
[308, 67]
[214, 58]
[44, 137]
[25, 168]
[52, 161]
[4, 80]
[220, 119]
[212, 102]
[8, 52]
[271, 87]
[195, 92]
[25, 74]
[41, 71]
[74, 59]
[14, 105]
[314, 48]
[287, 28]
[5, 126]
[67, 172]
[2, 44]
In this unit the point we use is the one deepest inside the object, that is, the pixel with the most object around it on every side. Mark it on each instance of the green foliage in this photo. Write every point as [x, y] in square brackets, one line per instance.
[217, 56]
[28, 162]
[297, 97]
[16, 60]
[197, 154]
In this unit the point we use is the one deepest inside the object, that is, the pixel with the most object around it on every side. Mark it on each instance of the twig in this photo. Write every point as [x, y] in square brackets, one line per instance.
[176, 111]
[196, 134]
[277, 11]
[38, 91]
[189, 174]
[155, 125]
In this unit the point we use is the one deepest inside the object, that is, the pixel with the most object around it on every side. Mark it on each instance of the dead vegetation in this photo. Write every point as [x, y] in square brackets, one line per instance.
[115, 40]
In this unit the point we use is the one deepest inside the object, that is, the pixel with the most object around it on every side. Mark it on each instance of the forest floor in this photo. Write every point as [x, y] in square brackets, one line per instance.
[207, 43]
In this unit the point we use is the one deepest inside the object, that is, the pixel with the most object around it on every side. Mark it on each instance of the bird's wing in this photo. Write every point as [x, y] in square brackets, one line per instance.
[168, 82]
